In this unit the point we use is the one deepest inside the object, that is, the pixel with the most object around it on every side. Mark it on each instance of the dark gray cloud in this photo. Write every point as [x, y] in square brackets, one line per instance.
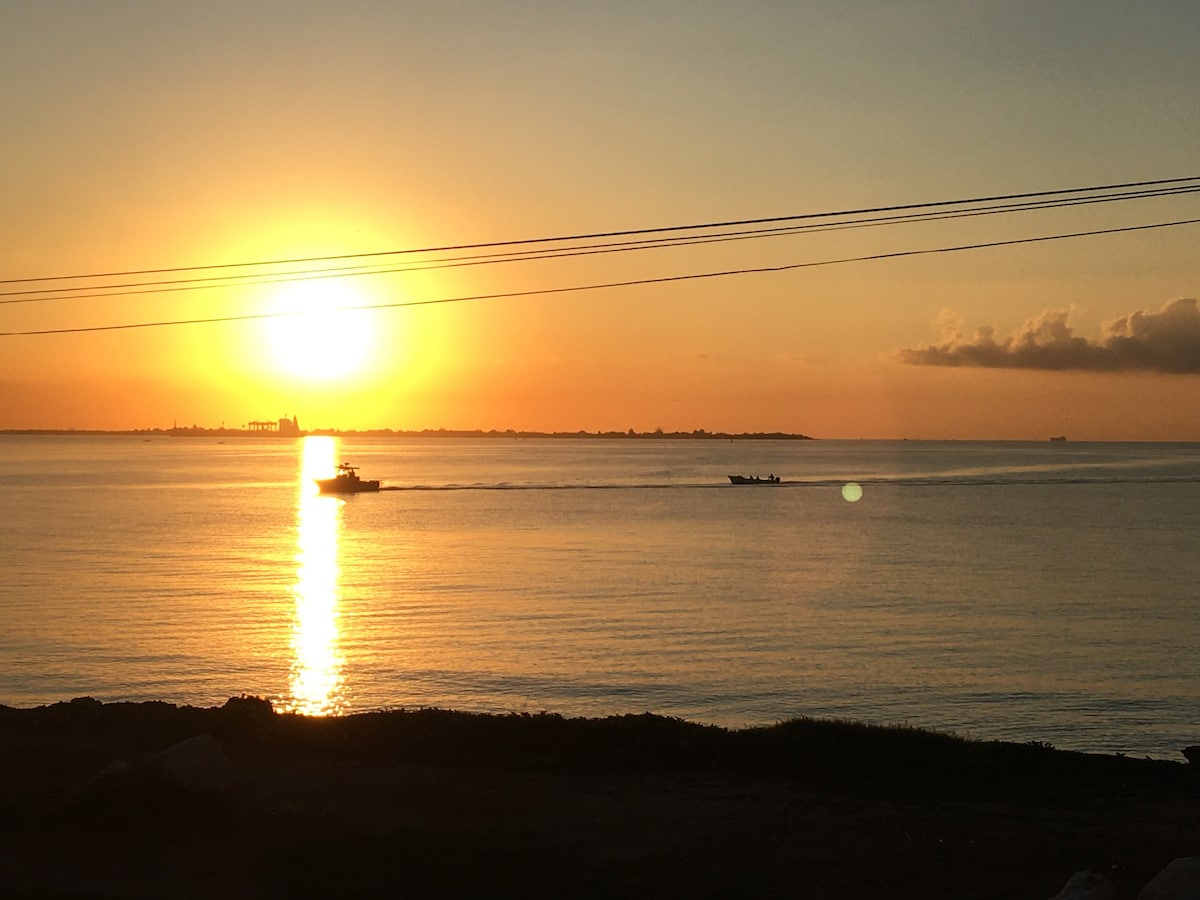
[1162, 340]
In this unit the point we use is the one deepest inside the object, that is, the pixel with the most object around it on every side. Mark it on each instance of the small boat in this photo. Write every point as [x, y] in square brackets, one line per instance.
[753, 479]
[346, 481]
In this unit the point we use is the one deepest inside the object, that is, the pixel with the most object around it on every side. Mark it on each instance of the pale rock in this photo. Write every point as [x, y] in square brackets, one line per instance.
[1087, 885]
[1180, 880]
[198, 764]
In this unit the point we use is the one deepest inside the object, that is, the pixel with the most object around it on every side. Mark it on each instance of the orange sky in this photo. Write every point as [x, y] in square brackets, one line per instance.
[150, 137]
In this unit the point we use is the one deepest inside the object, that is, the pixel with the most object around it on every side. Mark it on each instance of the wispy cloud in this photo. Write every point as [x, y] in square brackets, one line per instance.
[1162, 340]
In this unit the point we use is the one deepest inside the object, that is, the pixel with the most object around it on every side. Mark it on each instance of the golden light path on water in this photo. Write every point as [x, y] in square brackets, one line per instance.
[316, 672]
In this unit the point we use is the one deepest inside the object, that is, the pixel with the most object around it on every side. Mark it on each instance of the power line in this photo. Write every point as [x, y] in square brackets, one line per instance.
[616, 284]
[139, 288]
[615, 234]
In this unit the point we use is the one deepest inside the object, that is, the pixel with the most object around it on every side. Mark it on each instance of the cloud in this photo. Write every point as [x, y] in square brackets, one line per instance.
[1162, 340]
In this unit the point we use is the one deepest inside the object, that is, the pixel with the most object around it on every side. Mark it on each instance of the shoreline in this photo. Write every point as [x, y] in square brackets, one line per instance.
[197, 431]
[444, 803]
[510, 434]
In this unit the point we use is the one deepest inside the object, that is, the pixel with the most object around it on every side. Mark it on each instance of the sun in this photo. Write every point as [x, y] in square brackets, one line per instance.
[317, 333]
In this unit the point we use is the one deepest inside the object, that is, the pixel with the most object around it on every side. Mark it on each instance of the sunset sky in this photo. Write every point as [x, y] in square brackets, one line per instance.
[146, 136]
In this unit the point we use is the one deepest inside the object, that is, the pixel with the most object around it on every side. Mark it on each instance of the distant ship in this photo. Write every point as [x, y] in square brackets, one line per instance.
[753, 479]
[1059, 437]
[346, 481]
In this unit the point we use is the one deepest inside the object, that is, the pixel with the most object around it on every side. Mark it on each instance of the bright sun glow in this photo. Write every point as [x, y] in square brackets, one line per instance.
[321, 339]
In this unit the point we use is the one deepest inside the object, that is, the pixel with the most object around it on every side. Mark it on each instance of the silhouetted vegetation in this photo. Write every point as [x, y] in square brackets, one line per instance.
[433, 802]
[800, 748]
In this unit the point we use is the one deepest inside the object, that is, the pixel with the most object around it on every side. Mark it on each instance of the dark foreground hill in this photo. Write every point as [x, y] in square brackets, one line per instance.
[245, 803]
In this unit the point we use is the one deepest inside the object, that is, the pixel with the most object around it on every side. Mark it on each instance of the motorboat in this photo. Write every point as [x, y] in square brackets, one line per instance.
[346, 481]
[753, 479]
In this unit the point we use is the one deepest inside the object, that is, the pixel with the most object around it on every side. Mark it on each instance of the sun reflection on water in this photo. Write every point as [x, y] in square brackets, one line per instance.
[316, 674]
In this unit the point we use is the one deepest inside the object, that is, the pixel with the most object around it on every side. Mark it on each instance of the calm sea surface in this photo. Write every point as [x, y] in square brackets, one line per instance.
[1019, 591]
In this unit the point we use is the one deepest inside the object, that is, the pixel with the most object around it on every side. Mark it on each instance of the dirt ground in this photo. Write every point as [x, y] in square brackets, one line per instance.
[352, 814]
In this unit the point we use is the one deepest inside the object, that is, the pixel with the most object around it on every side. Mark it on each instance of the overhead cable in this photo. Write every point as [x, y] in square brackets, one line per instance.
[624, 233]
[614, 284]
[136, 288]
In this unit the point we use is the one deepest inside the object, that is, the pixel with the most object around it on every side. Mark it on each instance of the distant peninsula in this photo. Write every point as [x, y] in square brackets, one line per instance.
[222, 432]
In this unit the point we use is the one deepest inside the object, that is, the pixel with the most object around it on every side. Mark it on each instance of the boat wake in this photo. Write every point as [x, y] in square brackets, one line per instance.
[897, 481]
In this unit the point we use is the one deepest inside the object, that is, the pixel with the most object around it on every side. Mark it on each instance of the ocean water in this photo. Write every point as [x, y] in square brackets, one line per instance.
[1015, 591]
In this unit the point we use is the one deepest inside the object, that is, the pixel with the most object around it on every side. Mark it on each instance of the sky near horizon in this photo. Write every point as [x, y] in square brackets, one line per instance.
[142, 136]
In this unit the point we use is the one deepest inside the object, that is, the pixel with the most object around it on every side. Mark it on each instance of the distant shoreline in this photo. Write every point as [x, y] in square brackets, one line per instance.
[699, 434]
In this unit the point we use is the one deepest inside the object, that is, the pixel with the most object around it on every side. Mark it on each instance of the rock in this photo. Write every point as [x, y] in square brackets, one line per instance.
[1087, 885]
[197, 764]
[1192, 754]
[111, 780]
[186, 778]
[1180, 880]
